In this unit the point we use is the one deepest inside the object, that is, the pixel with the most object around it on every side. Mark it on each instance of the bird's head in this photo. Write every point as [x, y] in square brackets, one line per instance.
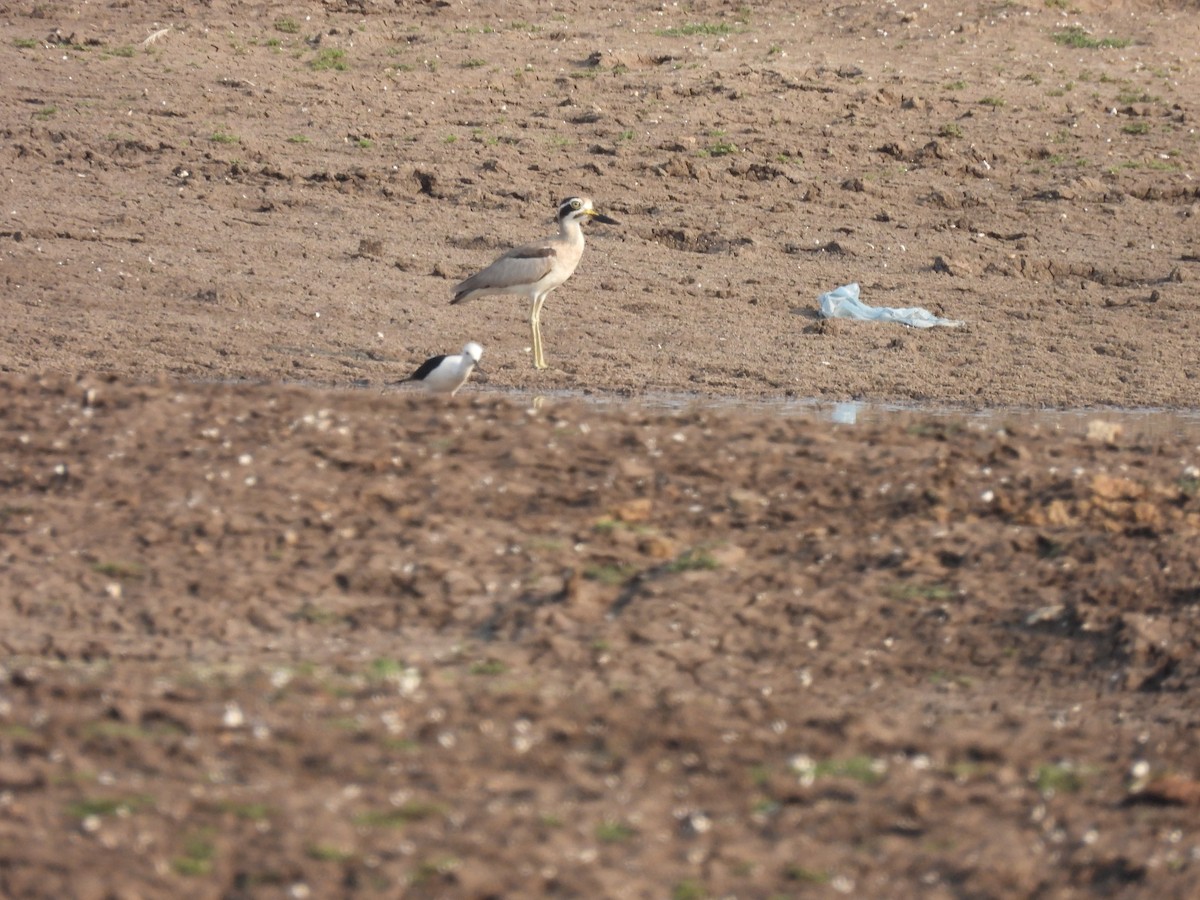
[580, 209]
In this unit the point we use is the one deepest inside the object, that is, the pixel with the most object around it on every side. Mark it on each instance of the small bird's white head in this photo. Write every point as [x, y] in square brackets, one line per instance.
[472, 350]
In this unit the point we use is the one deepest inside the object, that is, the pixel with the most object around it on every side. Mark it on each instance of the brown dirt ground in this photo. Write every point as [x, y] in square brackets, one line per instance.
[271, 629]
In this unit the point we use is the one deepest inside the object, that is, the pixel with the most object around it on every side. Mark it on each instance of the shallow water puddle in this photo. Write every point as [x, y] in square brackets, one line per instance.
[1145, 423]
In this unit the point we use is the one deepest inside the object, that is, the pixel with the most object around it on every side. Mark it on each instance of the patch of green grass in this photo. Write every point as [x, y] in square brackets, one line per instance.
[796, 872]
[316, 615]
[1057, 778]
[1057, 4]
[198, 853]
[909, 590]
[994, 102]
[693, 560]
[192, 866]
[108, 806]
[474, 63]
[859, 768]
[760, 775]
[130, 571]
[941, 676]
[965, 770]
[364, 143]
[384, 669]
[131, 731]
[1154, 165]
[125, 51]
[26, 43]
[400, 745]
[950, 130]
[349, 724]
[413, 811]
[1079, 38]
[607, 525]
[298, 139]
[1136, 128]
[330, 58]
[1160, 165]
[519, 25]
[249, 812]
[954, 85]
[711, 29]
[688, 890]
[614, 832]
[46, 112]
[327, 853]
[1190, 485]
[1134, 96]
[765, 806]
[432, 868]
[611, 574]
[224, 137]
[863, 769]
[450, 138]
[488, 667]
[287, 25]
[720, 148]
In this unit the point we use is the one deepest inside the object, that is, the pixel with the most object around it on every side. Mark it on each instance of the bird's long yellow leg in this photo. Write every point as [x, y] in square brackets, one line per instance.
[536, 336]
[535, 325]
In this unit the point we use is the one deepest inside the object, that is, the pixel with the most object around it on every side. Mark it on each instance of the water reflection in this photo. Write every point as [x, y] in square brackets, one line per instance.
[1145, 423]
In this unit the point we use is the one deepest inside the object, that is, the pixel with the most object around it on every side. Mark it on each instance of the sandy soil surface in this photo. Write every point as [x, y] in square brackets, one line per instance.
[271, 628]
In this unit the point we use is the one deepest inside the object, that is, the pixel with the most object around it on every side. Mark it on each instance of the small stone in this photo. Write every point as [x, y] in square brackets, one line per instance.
[234, 717]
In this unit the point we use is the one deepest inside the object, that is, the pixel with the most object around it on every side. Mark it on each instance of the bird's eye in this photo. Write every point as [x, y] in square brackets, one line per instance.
[576, 204]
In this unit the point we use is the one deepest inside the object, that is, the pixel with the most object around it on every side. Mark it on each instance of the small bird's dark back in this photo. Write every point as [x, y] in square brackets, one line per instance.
[426, 367]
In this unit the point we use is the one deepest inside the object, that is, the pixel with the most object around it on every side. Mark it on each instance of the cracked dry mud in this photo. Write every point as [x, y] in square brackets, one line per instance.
[269, 628]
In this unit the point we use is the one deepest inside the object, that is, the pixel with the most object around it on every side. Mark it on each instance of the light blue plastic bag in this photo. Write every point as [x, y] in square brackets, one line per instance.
[843, 303]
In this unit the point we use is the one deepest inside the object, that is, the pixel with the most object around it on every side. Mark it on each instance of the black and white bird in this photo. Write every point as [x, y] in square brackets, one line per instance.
[446, 374]
[536, 269]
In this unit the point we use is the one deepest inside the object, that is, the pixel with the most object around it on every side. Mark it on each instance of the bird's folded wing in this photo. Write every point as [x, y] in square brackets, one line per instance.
[525, 265]
[426, 368]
